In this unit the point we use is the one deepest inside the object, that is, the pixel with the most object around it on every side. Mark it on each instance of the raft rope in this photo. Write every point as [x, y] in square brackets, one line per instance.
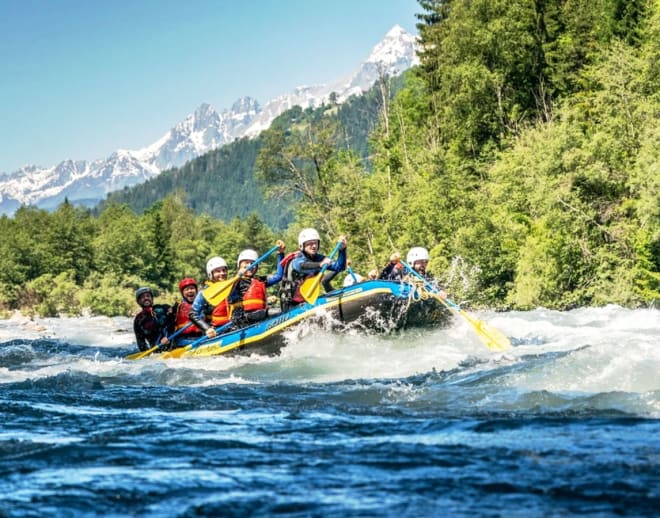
[418, 291]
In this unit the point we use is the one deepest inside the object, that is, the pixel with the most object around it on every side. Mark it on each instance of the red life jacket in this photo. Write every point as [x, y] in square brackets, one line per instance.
[182, 319]
[292, 279]
[297, 297]
[220, 314]
[255, 296]
[287, 259]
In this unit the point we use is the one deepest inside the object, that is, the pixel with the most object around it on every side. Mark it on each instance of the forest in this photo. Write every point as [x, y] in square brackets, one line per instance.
[523, 152]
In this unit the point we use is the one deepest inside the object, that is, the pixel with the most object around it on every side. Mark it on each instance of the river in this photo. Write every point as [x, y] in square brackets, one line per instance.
[417, 423]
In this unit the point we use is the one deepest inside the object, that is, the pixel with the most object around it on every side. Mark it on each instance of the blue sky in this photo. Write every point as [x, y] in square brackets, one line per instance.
[81, 78]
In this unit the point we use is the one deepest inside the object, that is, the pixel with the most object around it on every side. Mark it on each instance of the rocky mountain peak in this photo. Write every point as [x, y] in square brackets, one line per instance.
[201, 131]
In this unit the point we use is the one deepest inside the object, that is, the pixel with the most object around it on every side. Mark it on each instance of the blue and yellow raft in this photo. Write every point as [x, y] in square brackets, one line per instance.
[374, 306]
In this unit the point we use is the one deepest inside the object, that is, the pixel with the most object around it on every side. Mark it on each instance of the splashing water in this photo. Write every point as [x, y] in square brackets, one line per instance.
[425, 422]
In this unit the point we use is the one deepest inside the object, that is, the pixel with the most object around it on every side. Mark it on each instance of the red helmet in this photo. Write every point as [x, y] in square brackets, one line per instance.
[188, 281]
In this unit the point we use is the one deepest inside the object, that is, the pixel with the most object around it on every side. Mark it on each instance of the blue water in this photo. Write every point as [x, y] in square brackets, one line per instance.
[420, 423]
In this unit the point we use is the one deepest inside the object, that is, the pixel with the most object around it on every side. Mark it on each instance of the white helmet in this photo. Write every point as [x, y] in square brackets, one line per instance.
[308, 234]
[213, 263]
[247, 255]
[417, 253]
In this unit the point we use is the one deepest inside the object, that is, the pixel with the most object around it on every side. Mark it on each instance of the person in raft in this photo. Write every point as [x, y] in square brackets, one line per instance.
[150, 324]
[205, 316]
[248, 299]
[417, 259]
[181, 312]
[305, 263]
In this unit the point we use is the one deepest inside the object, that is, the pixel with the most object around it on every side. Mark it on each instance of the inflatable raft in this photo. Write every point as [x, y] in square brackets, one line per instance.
[373, 306]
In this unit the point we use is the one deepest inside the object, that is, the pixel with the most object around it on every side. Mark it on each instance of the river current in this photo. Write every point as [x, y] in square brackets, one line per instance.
[416, 423]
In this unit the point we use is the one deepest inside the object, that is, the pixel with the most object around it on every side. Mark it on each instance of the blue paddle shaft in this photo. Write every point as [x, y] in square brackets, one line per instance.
[217, 330]
[179, 331]
[262, 258]
[332, 254]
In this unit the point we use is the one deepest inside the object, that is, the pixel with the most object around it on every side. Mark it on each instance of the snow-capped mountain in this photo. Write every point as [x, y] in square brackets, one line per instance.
[87, 183]
[203, 130]
[396, 53]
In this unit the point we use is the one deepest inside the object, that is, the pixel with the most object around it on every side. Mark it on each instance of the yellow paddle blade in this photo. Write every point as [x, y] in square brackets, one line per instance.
[492, 338]
[141, 354]
[219, 291]
[176, 353]
[310, 289]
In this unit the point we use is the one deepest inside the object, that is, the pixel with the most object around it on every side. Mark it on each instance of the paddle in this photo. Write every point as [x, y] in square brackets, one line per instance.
[219, 291]
[311, 287]
[350, 271]
[493, 338]
[142, 354]
[177, 353]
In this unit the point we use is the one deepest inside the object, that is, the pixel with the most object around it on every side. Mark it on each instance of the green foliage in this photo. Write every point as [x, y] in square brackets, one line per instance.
[109, 295]
[122, 248]
[219, 183]
[14, 271]
[53, 295]
[538, 203]
[113, 255]
[160, 268]
[646, 272]
[524, 152]
[68, 241]
[579, 185]
[294, 164]
[484, 67]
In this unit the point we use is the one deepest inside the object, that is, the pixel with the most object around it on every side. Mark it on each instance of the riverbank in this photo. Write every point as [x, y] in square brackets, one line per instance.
[84, 330]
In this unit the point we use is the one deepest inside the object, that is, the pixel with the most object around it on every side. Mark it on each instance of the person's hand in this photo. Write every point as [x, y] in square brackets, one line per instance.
[395, 258]
[272, 299]
[342, 240]
[348, 262]
[164, 341]
[442, 294]
[210, 332]
[326, 260]
[280, 246]
[373, 275]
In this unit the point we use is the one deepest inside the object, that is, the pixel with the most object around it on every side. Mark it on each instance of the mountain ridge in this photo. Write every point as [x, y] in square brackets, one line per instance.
[88, 182]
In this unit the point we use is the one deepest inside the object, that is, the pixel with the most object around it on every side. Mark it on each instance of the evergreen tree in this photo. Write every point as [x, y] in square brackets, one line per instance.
[122, 246]
[69, 242]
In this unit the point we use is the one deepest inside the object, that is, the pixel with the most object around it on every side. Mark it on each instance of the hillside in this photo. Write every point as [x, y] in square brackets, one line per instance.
[222, 184]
